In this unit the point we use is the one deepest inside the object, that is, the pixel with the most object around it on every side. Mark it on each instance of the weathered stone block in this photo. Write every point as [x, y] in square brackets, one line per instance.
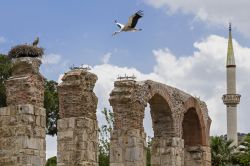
[38, 120]
[31, 143]
[116, 155]
[4, 111]
[71, 122]
[27, 119]
[134, 154]
[117, 164]
[26, 109]
[65, 135]
[62, 124]
[4, 121]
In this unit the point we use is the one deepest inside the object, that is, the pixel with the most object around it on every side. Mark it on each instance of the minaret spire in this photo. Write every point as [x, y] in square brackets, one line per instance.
[230, 50]
[231, 99]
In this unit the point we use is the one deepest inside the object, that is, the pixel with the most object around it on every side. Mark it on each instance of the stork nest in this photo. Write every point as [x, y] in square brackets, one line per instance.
[25, 51]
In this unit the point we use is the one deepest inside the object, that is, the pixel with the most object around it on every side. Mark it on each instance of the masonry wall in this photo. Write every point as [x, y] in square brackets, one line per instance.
[128, 139]
[77, 139]
[22, 122]
[172, 144]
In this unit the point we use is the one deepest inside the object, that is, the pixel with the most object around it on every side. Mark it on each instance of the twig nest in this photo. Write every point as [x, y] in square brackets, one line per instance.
[25, 51]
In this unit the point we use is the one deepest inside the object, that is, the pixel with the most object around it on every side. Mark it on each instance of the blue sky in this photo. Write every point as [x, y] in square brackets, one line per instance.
[80, 31]
[183, 44]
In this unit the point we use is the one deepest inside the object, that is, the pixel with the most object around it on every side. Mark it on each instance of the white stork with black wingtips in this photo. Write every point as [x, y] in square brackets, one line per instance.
[130, 26]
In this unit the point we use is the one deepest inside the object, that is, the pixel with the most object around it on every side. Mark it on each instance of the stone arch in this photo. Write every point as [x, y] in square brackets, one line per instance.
[167, 146]
[169, 108]
[162, 120]
[194, 130]
[161, 110]
[195, 126]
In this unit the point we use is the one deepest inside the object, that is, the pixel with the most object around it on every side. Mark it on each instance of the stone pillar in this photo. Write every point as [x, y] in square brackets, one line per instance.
[128, 140]
[22, 122]
[167, 151]
[77, 136]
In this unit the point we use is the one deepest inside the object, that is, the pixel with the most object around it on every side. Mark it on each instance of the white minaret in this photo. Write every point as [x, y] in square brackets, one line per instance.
[231, 99]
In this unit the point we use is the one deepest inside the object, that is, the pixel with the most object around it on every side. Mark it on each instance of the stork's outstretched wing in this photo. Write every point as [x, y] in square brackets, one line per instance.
[134, 19]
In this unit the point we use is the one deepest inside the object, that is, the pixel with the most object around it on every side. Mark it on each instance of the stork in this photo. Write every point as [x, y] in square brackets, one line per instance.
[35, 42]
[130, 26]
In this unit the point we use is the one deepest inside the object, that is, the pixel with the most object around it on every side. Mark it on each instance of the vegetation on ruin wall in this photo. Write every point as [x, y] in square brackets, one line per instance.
[25, 51]
[50, 95]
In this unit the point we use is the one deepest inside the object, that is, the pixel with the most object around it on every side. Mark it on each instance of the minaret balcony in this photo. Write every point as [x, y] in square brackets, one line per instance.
[231, 99]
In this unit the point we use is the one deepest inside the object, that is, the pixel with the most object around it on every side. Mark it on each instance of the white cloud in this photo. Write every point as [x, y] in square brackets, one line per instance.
[50, 59]
[106, 57]
[202, 74]
[53, 64]
[107, 74]
[2, 39]
[211, 11]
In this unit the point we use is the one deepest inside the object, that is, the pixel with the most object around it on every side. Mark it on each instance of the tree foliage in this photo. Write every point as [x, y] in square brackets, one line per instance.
[149, 147]
[104, 137]
[5, 72]
[242, 156]
[51, 104]
[221, 151]
[51, 161]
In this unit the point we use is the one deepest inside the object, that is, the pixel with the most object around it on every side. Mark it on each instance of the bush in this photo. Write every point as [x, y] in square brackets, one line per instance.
[51, 161]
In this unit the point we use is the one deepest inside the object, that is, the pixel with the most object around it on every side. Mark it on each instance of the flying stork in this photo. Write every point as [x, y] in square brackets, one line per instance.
[130, 26]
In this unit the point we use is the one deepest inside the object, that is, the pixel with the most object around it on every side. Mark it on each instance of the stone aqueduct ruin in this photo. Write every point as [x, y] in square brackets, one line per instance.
[180, 121]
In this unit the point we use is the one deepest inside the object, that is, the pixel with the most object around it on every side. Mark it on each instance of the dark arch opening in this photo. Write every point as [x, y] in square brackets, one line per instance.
[162, 121]
[191, 128]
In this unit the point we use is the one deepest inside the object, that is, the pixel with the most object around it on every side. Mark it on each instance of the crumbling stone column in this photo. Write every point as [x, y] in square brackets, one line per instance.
[77, 134]
[128, 140]
[22, 122]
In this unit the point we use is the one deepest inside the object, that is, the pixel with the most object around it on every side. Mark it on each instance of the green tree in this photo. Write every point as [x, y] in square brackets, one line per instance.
[242, 156]
[149, 147]
[51, 161]
[221, 151]
[5, 72]
[51, 104]
[104, 137]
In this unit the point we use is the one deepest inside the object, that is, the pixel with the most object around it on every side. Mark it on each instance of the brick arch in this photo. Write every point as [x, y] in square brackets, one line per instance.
[162, 120]
[173, 98]
[197, 134]
[161, 110]
[156, 88]
[168, 107]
